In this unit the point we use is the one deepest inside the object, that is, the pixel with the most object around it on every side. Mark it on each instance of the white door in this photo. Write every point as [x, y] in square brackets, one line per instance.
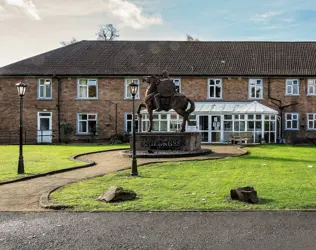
[44, 127]
[216, 128]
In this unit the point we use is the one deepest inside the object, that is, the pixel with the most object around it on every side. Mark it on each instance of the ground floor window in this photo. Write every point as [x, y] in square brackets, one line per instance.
[129, 123]
[87, 123]
[311, 120]
[291, 121]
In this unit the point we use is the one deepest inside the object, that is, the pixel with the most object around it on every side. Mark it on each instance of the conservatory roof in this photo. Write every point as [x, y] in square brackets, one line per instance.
[233, 108]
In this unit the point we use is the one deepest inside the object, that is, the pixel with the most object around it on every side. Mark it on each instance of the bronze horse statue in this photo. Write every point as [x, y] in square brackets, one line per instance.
[176, 101]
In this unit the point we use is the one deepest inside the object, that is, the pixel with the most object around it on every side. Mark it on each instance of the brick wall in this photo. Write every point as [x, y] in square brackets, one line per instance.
[111, 97]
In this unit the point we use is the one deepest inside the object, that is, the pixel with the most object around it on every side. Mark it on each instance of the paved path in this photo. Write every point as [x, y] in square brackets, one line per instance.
[24, 196]
[164, 230]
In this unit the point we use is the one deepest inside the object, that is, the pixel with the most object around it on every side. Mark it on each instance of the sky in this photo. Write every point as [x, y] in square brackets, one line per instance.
[32, 27]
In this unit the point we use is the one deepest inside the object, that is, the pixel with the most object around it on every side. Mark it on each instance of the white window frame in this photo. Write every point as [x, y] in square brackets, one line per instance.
[292, 85]
[308, 120]
[178, 80]
[78, 121]
[131, 121]
[78, 88]
[46, 81]
[286, 120]
[208, 88]
[253, 83]
[127, 94]
[311, 82]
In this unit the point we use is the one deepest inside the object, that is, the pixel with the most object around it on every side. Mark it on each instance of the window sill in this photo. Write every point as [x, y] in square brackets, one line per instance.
[311, 95]
[44, 99]
[87, 99]
[215, 98]
[291, 95]
[130, 99]
[252, 98]
[311, 129]
[292, 129]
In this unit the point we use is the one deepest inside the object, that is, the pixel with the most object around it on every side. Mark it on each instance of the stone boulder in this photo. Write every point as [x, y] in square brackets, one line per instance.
[245, 194]
[115, 193]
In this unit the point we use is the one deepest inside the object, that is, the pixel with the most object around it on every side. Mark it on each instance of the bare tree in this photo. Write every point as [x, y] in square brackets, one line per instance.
[192, 39]
[107, 32]
[73, 40]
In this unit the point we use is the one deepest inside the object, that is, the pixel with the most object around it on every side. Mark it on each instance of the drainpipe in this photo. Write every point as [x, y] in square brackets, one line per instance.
[280, 109]
[58, 108]
[116, 118]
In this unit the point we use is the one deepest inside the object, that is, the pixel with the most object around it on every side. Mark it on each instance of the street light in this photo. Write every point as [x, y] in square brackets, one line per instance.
[21, 87]
[134, 88]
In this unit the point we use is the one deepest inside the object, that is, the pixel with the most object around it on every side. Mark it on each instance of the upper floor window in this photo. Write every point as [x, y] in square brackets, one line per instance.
[45, 89]
[311, 89]
[311, 120]
[291, 121]
[292, 87]
[87, 123]
[177, 84]
[255, 89]
[215, 88]
[87, 88]
[127, 88]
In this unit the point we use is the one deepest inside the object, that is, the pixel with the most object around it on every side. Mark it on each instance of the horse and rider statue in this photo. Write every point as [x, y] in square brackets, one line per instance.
[161, 95]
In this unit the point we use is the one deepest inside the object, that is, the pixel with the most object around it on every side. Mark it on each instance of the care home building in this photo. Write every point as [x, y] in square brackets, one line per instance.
[265, 89]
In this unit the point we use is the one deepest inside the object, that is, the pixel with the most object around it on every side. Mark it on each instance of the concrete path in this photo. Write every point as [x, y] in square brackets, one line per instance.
[162, 231]
[25, 195]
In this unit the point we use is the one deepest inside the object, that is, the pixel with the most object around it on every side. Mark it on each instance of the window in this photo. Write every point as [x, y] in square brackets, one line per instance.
[129, 123]
[292, 87]
[215, 88]
[311, 89]
[44, 89]
[291, 120]
[87, 88]
[127, 90]
[255, 89]
[177, 84]
[311, 120]
[87, 123]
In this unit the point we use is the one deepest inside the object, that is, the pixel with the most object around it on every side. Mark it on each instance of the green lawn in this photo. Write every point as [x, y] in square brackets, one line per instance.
[43, 158]
[284, 177]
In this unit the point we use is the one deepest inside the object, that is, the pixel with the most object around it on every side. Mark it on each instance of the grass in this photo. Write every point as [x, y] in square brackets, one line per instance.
[43, 158]
[282, 176]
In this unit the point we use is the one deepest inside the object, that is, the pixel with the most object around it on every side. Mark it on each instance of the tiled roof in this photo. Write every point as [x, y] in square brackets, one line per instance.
[104, 58]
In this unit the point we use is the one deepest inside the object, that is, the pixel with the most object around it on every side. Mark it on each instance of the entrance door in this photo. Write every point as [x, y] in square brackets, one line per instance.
[216, 128]
[203, 127]
[44, 127]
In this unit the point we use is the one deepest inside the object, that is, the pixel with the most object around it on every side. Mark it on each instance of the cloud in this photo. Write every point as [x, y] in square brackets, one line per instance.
[265, 17]
[27, 6]
[121, 12]
[130, 15]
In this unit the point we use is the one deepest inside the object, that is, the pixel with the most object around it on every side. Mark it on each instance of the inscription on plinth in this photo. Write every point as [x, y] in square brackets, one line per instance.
[188, 141]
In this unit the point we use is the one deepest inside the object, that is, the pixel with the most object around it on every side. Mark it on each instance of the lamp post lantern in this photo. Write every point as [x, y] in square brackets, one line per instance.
[21, 87]
[134, 88]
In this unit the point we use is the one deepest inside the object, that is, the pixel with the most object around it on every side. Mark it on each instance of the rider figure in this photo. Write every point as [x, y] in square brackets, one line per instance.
[157, 97]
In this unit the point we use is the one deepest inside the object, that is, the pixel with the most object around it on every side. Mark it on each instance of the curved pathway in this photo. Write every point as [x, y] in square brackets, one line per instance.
[25, 195]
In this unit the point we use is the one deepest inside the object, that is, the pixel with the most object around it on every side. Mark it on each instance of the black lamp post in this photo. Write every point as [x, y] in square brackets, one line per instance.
[21, 87]
[134, 88]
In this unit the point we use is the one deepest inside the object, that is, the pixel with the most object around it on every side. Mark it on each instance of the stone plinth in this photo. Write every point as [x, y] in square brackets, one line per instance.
[167, 144]
[172, 141]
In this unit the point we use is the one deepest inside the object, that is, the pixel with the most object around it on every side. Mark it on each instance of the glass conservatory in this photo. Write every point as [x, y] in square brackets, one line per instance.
[219, 122]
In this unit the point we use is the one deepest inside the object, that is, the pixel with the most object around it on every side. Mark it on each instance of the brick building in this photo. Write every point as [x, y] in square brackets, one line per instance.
[267, 89]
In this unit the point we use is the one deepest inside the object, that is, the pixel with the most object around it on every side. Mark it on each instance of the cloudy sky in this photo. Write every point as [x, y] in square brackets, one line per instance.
[31, 27]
